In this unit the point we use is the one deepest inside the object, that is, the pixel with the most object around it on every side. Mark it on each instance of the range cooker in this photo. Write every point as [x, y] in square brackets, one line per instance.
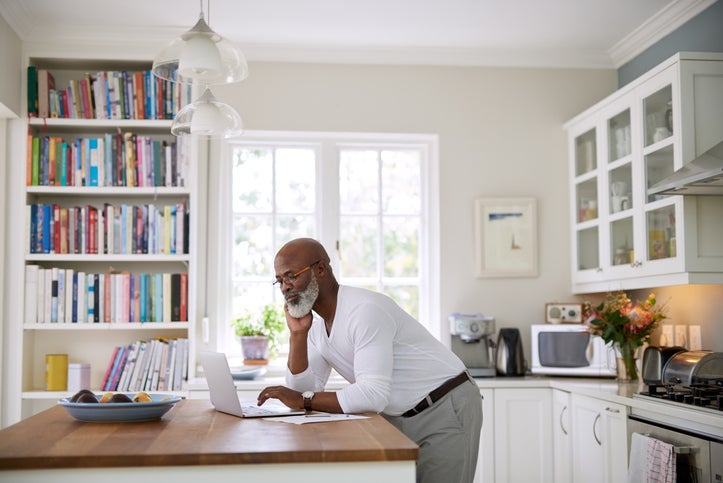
[678, 414]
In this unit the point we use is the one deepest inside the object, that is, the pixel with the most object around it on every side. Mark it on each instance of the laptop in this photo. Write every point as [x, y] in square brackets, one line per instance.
[224, 396]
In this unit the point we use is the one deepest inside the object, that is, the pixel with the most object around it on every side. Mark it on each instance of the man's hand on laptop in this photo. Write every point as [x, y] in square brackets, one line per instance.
[289, 397]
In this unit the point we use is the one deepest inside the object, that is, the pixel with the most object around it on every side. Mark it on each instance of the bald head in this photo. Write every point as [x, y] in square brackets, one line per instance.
[304, 250]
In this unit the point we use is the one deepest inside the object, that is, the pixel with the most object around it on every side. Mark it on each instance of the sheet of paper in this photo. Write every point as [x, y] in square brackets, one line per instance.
[316, 418]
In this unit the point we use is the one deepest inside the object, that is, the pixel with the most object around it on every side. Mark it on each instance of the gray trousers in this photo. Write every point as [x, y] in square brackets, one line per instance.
[448, 436]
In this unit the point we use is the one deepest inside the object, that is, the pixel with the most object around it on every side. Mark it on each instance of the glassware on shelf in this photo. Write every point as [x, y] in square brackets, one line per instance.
[585, 153]
[661, 233]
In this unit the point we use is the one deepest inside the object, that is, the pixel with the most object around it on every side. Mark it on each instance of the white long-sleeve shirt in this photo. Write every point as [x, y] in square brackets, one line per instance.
[390, 360]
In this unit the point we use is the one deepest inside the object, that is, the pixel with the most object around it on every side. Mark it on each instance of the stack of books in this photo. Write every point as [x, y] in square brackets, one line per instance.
[59, 295]
[154, 365]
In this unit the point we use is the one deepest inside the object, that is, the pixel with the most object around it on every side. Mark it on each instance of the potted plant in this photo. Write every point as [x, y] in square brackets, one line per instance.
[260, 333]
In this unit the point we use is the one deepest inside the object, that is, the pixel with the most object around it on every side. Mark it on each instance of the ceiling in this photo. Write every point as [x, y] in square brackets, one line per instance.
[534, 33]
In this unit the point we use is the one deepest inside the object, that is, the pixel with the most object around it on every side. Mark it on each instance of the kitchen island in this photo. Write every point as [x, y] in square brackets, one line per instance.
[193, 442]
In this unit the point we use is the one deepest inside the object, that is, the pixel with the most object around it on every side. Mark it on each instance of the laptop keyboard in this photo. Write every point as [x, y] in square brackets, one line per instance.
[250, 410]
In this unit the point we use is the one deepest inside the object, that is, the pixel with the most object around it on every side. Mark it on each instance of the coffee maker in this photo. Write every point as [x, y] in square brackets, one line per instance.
[472, 342]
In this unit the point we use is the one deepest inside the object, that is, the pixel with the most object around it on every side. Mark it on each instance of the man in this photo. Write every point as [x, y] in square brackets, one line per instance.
[393, 364]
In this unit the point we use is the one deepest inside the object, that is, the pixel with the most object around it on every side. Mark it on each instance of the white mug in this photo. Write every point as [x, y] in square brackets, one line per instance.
[620, 203]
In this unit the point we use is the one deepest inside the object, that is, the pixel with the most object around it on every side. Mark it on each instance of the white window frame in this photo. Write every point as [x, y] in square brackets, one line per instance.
[327, 146]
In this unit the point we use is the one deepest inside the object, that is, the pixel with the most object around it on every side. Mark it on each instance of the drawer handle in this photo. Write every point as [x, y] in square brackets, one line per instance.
[564, 431]
[594, 430]
[611, 410]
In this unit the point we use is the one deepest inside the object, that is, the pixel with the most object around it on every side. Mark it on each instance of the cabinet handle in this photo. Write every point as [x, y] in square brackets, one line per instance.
[611, 410]
[594, 430]
[564, 431]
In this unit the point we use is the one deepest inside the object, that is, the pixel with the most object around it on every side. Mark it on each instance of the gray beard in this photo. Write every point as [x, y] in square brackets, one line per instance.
[306, 299]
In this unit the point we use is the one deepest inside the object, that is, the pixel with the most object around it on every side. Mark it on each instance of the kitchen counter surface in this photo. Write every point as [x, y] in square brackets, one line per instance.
[193, 434]
[607, 389]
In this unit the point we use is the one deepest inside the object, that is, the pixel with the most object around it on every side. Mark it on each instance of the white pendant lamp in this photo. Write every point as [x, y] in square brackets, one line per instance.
[201, 55]
[207, 117]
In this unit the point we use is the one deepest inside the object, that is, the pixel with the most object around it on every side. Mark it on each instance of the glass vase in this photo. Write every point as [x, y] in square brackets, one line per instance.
[627, 369]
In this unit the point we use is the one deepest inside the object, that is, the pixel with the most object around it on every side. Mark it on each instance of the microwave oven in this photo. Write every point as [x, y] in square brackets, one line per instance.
[570, 350]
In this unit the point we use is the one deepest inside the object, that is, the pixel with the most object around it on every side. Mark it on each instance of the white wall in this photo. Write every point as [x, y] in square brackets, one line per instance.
[500, 134]
[10, 72]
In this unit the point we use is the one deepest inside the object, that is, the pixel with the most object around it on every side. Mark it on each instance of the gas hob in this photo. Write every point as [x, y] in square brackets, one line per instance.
[704, 396]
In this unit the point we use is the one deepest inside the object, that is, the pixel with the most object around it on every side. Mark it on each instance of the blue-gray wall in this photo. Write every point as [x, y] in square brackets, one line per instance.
[702, 33]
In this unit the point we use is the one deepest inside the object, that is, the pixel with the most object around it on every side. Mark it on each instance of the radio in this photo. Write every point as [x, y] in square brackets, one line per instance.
[563, 313]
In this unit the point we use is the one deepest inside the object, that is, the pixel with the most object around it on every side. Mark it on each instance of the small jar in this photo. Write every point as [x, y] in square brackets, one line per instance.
[621, 256]
[78, 376]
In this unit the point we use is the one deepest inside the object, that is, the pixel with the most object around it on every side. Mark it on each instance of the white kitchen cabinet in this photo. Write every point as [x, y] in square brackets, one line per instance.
[599, 440]
[561, 436]
[623, 238]
[486, 459]
[523, 432]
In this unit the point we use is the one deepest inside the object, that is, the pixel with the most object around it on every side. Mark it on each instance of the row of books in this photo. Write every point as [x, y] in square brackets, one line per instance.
[112, 229]
[121, 159]
[154, 365]
[65, 296]
[105, 95]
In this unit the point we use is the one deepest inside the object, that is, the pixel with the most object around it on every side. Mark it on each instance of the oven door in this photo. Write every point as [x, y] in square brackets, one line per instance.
[692, 453]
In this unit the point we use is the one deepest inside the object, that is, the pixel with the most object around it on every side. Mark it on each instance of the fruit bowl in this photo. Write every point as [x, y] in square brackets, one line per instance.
[121, 412]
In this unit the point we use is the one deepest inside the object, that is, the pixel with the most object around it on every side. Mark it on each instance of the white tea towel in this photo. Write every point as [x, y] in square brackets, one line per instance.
[651, 460]
[638, 458]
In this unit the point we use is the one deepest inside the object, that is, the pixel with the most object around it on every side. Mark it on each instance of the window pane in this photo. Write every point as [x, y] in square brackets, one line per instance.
[407, 296]
[252, 176]
[290, 227]
[251, 296]
[359, 245]
[295, 180]
[401, 246]
[401, 182]
[358, 181]
[252, 247]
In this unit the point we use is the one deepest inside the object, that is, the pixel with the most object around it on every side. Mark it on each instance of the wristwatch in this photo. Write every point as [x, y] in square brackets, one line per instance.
[307, 395]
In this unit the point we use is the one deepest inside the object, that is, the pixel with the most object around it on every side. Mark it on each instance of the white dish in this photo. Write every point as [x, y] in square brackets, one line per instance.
[247, 373]
[121, 412]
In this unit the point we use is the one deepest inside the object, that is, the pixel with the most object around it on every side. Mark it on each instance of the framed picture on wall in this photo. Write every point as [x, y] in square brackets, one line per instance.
[506, 237]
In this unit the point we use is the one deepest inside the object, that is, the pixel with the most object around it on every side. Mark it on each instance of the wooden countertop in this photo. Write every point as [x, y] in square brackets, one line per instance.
[193, 433]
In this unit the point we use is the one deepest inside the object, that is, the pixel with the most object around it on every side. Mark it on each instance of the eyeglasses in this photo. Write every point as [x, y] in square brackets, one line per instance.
[290, 278]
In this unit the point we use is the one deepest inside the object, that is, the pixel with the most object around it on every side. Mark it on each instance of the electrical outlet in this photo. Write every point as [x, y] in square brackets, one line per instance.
[666, 335]
[696, 339]
[681, 335]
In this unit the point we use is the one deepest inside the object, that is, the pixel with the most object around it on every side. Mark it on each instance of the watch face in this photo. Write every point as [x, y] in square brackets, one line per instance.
[307, 395]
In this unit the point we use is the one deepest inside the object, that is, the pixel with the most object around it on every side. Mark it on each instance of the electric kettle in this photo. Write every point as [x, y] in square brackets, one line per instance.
[509, 359]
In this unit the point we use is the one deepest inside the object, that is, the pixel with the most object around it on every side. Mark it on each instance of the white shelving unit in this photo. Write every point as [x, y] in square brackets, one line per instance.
[87, 342]
[623, 238]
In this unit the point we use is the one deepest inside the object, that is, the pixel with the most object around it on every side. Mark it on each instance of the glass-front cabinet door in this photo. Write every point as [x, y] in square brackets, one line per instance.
[659, 230]
[618, 194]
[586, 245]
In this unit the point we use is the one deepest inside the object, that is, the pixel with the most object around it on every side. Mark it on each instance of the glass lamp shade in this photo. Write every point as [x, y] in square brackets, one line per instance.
[201, 55]
[208, 117]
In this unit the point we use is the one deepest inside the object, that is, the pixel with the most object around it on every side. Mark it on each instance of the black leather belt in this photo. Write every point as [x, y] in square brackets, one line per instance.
[437, 394]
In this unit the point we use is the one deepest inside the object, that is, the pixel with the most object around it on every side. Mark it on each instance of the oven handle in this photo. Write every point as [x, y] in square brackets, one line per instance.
[679, 449]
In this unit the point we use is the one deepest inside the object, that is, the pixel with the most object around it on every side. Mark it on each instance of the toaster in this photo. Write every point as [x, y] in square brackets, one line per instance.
[693, 367]
[654, 360]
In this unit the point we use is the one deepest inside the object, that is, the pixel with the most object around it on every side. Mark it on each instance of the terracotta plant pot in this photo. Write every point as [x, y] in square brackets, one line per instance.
[255, 349]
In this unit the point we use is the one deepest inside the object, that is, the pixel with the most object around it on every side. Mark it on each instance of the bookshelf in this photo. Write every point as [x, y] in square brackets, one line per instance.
[106, 197]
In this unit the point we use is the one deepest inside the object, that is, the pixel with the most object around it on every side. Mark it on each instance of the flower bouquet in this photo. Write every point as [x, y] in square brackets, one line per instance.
[624, 325]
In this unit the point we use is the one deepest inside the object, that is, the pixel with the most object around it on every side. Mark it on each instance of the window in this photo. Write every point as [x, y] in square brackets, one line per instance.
[367, 199]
